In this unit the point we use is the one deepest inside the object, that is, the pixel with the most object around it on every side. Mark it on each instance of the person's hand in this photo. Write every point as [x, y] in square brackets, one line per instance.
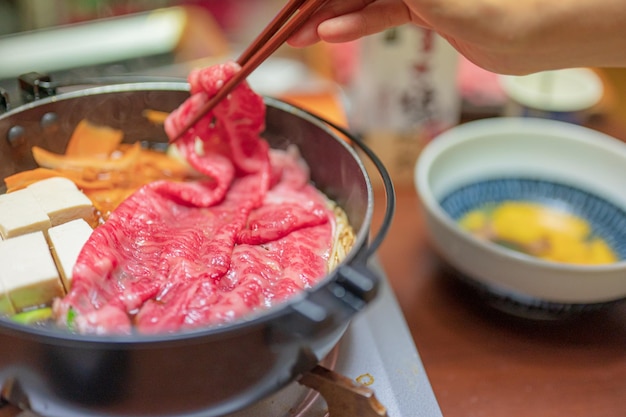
[504, 36]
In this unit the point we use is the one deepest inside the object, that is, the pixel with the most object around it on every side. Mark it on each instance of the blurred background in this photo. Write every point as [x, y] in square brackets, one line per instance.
[25, 15]
[73, 41]
[119, 32]
[397, 89]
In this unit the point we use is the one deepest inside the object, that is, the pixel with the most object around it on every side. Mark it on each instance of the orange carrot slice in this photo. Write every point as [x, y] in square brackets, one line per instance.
[25, 178]
[47, 159]
[93, 141]
[155, 116]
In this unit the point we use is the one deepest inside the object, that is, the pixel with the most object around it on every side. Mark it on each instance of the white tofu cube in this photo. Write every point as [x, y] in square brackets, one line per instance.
[28, 272]
[66, 241]
[21, 213]
[62, 200]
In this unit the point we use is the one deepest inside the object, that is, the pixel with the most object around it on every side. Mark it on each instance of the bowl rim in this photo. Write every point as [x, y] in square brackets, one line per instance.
[519, 90]
[503, 125]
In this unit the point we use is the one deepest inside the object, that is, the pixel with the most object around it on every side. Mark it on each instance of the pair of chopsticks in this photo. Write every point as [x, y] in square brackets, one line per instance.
[276, 33]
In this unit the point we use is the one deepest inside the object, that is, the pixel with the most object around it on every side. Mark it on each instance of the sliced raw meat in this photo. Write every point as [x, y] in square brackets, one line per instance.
[181, 255]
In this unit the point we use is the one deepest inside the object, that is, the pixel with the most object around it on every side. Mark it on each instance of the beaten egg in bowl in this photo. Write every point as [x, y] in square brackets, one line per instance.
[539, 231]
[531, 212]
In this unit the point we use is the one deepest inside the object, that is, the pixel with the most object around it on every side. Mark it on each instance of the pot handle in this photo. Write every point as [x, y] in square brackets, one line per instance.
[329, 306]
[356, 284]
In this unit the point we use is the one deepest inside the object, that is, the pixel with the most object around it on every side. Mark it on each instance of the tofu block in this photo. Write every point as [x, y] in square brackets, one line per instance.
[66, 241]
[61, 200]
[28, 273]
[21, 213]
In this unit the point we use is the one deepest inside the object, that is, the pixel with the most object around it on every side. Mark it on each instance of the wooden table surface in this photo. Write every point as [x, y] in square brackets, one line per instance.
[483, 363]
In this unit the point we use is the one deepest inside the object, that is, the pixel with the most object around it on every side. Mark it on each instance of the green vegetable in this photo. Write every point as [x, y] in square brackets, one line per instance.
[33, 316]
[71, 316]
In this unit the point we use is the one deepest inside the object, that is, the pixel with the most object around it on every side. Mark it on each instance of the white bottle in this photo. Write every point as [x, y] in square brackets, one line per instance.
[404, 92]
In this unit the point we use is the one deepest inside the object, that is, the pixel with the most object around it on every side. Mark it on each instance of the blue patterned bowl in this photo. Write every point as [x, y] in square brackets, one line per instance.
[546, 163]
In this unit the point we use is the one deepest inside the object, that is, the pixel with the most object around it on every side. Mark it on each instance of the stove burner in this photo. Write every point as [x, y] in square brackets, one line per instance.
[343, 396]
[13, 401]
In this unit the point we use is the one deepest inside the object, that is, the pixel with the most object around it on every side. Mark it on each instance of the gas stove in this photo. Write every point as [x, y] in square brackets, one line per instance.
[376, 355]
[377, 351]
[376, 359]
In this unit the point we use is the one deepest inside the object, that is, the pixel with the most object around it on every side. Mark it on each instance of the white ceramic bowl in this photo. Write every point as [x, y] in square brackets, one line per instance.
[565, 90]
[581, 160]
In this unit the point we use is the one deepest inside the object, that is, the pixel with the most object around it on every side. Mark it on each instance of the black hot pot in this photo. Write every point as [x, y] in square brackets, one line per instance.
[206, 372]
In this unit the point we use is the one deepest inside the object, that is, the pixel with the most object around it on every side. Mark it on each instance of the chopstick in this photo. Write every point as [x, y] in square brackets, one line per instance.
[276, 33]
[272, 28]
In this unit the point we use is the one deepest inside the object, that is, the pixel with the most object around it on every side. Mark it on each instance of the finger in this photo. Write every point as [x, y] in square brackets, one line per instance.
[307, 34]
[374, 18]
